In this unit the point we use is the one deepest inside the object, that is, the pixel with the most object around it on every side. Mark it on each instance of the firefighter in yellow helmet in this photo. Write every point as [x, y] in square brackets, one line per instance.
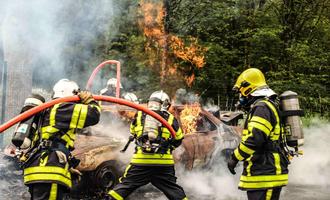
[152, 161]
[47, 172]
[265, 166]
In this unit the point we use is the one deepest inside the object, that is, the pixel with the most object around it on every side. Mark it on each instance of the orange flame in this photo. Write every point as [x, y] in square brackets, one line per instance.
[189, 116]
[158, 43]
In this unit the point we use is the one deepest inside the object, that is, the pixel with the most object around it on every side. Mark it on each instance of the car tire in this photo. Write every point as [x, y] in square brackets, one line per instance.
[106, 175]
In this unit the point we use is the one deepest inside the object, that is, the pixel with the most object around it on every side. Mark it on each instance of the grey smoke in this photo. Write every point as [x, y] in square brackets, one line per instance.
[46, 34]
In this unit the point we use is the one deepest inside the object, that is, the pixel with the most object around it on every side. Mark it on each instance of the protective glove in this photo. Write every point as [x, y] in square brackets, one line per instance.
[231, 164]
[75, 171]
[85, 97]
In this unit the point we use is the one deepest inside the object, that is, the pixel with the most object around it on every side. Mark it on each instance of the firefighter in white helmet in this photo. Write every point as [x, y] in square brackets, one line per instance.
[152, 161]
[47, 172]
[131, 97]
[265, 163]
[110, 89]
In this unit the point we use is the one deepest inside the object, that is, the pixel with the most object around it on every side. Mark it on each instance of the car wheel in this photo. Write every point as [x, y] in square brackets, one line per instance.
[106, 175]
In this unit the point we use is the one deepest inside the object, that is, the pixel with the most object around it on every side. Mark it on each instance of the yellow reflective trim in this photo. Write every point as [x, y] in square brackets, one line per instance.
[98, 107]
[115, 195]
[246, 134]
[179, 134]
[277, 163]
[255, 185]
[125, 173]
[82, 116]
[69, 138]
[47, 177]
[248, 168]
[238, 155]
[269, 194]
[75, 116]
[185, 198]
[261, 127]
[152, 156]
[53, 192]
[277, 129]
[261, 178]
[48, 131]
[53, 114]
[44, 160]
[139, 119]
[262, 121]
[246, 149]
[47, 169]
[152, 162]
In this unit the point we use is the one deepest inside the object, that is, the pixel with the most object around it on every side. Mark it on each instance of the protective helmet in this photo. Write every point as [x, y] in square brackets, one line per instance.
[250, 80]
[162, 98]
[131, 97]
[64, 88]
[112, 82]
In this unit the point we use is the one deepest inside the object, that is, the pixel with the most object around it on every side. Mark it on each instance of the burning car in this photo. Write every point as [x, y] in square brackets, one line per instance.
[207, 139]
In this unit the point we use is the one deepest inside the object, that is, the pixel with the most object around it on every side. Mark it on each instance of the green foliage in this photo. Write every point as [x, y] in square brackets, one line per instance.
[288, 40]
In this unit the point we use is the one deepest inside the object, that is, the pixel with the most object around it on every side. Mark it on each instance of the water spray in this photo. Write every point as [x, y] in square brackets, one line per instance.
[91, 78]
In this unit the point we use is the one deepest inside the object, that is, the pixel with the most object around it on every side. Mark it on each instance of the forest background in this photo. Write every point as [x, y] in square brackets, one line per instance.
[203, 45]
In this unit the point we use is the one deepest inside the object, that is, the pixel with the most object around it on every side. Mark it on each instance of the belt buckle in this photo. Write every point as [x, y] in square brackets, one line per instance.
[46, 143]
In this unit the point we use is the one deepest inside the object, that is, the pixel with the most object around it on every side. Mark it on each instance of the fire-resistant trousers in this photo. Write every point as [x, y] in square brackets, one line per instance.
[162, 177]
[267, 194]
[47, 191]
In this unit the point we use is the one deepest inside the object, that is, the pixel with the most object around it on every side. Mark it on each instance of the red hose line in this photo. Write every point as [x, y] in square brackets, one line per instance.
[91, 78]
[46, 105]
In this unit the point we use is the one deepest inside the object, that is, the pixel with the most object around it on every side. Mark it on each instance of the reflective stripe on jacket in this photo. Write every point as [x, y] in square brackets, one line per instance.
[61, 122]
[142, 158]
[264, 167]
[64, 120]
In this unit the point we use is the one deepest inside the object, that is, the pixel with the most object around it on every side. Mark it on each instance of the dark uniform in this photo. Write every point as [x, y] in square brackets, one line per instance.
[265, 166]
[155, 168]
[47, 172]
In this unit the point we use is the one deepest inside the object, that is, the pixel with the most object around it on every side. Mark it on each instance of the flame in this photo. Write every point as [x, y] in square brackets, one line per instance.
[159, 42]
[189, 116]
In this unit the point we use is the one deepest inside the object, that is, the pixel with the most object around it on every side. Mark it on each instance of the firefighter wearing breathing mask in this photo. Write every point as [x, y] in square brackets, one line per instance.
[265, 167]
[48, 172]
[152, 161]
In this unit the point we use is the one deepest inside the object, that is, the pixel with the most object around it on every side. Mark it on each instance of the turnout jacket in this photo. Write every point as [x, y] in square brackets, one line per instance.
[156, 159]
[264, 164]
[58, 130]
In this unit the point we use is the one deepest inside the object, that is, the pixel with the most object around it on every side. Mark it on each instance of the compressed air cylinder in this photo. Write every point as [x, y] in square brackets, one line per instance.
[292, 112]
[151, 126]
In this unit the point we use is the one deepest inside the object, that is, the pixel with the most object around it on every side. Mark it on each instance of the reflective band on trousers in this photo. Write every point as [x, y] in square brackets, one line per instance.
[115, 195]
[47, 173]
[153, 159]
[263, 181]
[53, 192]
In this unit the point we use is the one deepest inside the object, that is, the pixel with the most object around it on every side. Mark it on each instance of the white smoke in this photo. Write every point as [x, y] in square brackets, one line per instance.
[46, 35]
[313, 168]
[308, 177]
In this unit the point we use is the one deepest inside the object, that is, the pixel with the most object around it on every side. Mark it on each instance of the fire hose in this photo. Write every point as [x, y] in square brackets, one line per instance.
[46, 105]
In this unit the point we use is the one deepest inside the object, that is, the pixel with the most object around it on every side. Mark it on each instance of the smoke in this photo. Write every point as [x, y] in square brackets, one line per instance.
[54, 38]
[308, 177]
[313, 168]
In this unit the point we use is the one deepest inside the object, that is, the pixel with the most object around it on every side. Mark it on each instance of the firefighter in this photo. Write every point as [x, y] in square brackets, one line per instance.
[47, 172]
[152, 161]
[110, 90]
[265, 166]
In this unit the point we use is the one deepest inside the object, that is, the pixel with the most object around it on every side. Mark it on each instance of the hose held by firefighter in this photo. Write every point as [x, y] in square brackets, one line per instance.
[265, 161]
[48, 170]
[152, 161]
